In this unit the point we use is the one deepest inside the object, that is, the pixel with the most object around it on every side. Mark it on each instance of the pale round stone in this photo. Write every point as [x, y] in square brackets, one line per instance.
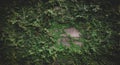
[72, 32]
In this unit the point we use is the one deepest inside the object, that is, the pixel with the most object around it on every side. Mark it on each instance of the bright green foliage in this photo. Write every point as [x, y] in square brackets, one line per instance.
[28, 34]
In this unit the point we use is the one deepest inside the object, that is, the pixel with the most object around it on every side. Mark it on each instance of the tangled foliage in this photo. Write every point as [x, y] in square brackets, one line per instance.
[26, 40]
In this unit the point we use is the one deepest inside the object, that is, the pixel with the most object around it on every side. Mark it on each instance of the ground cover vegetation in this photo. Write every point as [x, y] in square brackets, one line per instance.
[30, 29]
